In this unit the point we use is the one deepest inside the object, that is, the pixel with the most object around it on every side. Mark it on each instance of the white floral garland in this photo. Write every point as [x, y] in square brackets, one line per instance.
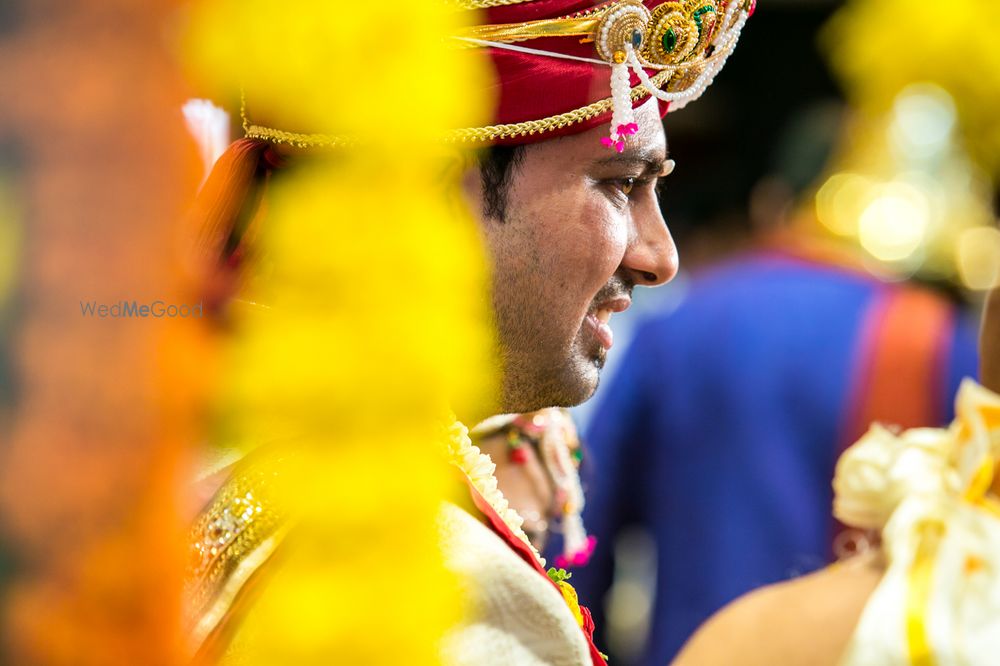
[478, 467]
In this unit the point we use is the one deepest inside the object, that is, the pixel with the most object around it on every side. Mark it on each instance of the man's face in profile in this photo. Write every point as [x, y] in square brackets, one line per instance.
[581, 227]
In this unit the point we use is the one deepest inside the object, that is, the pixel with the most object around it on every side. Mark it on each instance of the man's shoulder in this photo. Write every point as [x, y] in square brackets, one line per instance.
[476, 552]
[515, 615]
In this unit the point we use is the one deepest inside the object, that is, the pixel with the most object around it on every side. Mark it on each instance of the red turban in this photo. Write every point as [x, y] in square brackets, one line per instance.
[557, 62]
[531, 86]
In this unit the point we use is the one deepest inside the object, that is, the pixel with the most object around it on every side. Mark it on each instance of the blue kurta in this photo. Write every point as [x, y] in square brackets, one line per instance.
[720, 429]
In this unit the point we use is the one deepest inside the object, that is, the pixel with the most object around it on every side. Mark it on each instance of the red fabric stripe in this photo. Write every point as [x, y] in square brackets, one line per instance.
[899, 373]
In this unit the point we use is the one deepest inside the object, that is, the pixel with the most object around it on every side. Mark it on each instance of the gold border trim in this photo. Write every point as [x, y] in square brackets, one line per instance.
[234, 584]
[510, 33]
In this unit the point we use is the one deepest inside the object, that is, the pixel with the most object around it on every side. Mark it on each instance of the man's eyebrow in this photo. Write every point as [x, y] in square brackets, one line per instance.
[651, 163]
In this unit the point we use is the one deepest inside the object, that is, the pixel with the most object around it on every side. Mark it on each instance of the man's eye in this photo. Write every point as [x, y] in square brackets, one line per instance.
[626, 185]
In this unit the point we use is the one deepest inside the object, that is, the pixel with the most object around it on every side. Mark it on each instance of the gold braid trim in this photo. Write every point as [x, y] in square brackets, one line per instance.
[297, 139]
[528, 127]
[474, 134]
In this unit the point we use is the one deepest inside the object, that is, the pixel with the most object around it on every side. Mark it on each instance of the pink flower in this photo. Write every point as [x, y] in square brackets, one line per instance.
[621, 131]
[578, 558]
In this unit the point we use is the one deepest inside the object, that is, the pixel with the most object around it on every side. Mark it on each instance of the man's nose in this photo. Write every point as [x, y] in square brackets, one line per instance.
[651, 257]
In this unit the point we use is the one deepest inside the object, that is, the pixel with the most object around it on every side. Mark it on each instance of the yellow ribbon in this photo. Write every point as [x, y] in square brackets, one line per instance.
[918, 592]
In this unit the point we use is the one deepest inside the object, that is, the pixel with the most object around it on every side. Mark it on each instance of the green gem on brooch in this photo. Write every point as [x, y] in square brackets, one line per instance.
[707, 9]
[701, 10]
[669, 40]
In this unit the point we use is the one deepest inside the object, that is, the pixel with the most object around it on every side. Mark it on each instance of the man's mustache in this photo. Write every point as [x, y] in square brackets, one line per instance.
[617, 287]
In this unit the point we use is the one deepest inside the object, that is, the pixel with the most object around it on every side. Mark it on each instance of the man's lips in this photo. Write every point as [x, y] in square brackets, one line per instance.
[597, 320]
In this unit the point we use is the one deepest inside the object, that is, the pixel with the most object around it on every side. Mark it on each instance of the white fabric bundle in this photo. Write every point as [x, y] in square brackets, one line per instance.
[927, 490]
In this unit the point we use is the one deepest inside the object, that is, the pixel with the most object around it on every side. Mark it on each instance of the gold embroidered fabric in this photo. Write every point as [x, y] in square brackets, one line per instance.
[231, 539]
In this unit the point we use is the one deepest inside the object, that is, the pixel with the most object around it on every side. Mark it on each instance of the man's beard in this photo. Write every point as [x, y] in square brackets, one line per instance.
[541, 369]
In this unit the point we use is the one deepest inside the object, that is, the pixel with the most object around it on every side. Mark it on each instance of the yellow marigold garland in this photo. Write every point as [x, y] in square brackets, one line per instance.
[375, 319]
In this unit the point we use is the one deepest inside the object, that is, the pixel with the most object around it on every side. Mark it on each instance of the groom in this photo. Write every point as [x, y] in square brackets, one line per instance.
[565, 191]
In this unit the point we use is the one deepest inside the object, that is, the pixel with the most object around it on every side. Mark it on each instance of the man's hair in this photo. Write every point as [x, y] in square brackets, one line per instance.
[496, 168]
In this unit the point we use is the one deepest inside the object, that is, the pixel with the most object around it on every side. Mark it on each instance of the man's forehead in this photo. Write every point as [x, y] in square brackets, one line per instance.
[651, 134]
[648, 145]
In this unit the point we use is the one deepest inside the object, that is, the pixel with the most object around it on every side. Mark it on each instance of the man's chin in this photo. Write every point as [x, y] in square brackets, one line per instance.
[585, 379]
[571, 388]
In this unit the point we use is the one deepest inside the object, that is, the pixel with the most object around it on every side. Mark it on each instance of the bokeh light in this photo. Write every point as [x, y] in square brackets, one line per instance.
[893, 226]
[978, 258]
[923, 120]
[841, 200]
[906, 192]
